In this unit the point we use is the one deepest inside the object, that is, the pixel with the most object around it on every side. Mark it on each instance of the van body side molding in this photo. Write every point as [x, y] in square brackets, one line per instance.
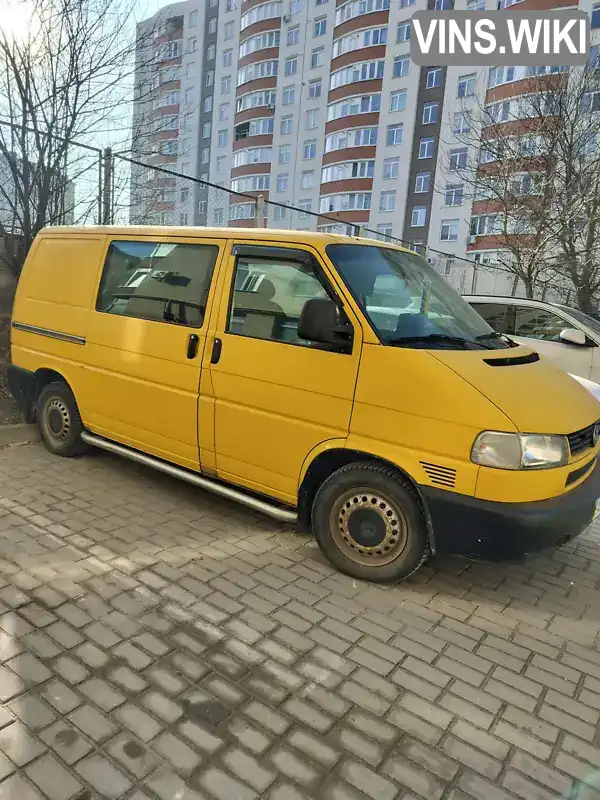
[51, 334]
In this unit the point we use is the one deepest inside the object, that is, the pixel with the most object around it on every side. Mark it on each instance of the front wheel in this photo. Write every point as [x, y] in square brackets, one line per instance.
[368, 521]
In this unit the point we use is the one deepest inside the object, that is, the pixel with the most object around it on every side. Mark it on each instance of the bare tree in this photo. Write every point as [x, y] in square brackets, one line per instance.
[508, 174]
[535, 180]
[574, 108]
[64, 77]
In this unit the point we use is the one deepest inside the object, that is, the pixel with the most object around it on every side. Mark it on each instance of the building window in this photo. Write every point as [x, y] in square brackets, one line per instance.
[192, 44]
[394, 134]
[208, 103]
[398, 100]
[320, 26]
[219, 216]
[407, 3]
[220, 164]
[310, 149]
[293, 35]
[426, 147]
[212, 26]
[476, 5]
[444, 5]
[458, 158]
[289, 95]
[224, 112]
[295, 6]
[454, 194]
[387, 201]
[391, 168]
[434, 78]
[418, 217]
[596, 15]
[227, 58]
[211, 52]
[317, 58]
[206, 130]
[401, 66]
[204, 155]
[384, 231]
[286, 125]
[312, 118]
[307, 179]
[430, 113]
[314, 89]
[291, 66]
[422, 182]
[193, 19]
[209, 77]
[282, 182]
[190, 70]
[461, 123]
[449, 231]
[403, 32]
[228, 30]
[226, 84]
[230, 5]
[222, 137]
[285, 154]
[305, 205]
[466, 86]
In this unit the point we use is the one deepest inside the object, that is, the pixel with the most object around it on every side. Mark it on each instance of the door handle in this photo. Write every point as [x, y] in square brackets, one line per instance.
[192, 348]
[216, 351]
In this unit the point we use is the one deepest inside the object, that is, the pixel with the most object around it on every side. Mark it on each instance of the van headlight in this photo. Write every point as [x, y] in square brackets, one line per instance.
[520, 450]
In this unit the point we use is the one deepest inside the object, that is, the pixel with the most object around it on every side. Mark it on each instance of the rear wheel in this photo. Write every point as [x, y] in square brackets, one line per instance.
[59, 421]
[368, 521]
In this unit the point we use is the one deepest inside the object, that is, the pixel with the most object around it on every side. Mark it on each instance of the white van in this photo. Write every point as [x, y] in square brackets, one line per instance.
[564, 334]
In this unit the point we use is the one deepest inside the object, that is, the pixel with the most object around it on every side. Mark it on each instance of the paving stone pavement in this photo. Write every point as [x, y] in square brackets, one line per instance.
[156, 642]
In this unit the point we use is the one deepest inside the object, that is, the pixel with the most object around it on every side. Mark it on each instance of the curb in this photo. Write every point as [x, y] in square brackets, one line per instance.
[21, 433]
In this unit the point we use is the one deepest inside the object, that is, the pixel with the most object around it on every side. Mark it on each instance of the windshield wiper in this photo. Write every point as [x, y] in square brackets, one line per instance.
[436, 337]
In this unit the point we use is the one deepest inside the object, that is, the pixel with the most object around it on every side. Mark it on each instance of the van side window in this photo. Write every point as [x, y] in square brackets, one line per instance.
[499, 316]
[537, 323]
[157, 281]
[269, 296]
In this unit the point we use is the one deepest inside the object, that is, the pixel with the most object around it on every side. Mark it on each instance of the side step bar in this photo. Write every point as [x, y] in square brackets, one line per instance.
[263, 506]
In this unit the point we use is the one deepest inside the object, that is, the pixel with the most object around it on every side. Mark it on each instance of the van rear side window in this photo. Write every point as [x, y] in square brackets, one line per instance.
[158, 281]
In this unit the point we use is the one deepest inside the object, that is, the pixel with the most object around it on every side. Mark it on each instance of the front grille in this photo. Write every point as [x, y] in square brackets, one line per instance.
[581, 440]
[438, 475]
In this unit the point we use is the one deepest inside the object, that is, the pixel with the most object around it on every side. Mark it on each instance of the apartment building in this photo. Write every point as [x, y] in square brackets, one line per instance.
[316, 104]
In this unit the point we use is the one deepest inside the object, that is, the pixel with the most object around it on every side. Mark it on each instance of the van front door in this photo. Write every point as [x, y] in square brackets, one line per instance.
[145, 344]
[276, 396]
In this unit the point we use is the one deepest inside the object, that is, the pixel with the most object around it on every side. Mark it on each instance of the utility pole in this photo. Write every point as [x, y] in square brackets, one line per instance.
[107, 187]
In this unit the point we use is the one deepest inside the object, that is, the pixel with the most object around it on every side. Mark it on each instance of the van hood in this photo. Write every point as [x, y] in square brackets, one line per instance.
[534, 394]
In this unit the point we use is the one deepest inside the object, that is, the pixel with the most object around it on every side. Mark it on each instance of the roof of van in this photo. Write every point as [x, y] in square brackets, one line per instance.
[268, 234]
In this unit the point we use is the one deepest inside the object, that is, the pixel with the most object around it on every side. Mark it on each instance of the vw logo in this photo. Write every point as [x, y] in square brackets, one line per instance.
[596, 434]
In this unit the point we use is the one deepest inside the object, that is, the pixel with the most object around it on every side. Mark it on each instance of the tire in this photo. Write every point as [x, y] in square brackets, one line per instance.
[389, 525]
[59, 420]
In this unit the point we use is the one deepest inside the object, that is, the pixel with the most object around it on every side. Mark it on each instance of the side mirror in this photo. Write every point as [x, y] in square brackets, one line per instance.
[573, 336]
[319, 322]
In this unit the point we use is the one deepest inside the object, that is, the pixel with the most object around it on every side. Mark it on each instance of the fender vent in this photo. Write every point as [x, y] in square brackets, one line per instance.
[438, 475]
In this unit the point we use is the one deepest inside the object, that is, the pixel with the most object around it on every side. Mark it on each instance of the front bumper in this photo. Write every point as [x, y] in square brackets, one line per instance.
[464, 525]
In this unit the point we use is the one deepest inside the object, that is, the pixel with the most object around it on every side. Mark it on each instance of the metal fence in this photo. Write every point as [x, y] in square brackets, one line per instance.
[106, 187]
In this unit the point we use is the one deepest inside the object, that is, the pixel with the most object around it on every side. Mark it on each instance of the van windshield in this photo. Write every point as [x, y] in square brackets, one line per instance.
[408, 303]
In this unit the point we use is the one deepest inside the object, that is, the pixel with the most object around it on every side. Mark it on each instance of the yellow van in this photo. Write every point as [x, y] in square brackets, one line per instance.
[335, 381]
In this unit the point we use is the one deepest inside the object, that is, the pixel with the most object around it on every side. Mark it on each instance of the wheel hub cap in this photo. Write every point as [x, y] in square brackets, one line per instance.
[368, 527]
[58, 419]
